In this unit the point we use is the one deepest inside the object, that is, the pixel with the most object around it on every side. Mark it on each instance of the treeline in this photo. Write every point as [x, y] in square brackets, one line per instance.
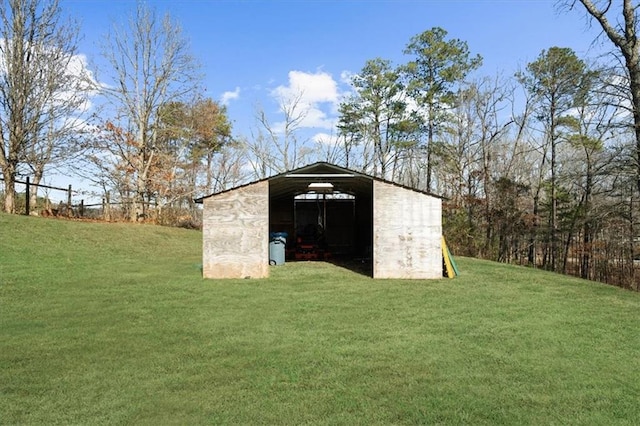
[143, 133]
[538, 168]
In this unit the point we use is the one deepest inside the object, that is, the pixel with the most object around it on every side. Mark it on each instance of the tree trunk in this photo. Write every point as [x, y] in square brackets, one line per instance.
[487, 200]
[553, 219]
[567, 246]
[33, 191]
[9, 192]
[209, 172]
[585, 264]
[429, 149]
[635, 92]
[632, 236]
[531, 256]
[626, 40]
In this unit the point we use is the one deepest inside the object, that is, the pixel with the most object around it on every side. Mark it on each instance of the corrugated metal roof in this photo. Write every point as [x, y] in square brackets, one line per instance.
[297, 181]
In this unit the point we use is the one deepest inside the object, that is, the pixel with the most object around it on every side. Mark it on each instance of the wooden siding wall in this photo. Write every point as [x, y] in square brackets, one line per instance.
[235, 233]
[407, 229]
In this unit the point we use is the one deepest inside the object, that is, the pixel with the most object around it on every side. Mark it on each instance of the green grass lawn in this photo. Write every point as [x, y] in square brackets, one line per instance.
[112, 323]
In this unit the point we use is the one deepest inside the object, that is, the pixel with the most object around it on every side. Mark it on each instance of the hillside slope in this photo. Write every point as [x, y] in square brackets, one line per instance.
[64, 250]
[112, 323]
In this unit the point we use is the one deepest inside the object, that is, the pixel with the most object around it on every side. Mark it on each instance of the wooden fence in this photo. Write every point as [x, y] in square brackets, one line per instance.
[69, 191]
[69, 209]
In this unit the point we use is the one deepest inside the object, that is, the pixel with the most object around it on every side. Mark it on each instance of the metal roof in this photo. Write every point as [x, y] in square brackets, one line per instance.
[297, 181]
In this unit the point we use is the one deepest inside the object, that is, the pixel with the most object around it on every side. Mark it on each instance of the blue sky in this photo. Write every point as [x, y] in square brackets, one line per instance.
[249, 47]
[253, 50]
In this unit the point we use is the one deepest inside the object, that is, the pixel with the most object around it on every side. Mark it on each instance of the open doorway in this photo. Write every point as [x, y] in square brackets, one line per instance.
[325, 226]
[326, 218]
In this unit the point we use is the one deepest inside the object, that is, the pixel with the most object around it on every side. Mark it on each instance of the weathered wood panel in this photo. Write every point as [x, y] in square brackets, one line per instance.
[407, 228]
[235, 233]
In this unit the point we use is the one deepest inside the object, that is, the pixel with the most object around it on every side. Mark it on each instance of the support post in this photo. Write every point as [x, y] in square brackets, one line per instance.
[69, 207]
[27, 198]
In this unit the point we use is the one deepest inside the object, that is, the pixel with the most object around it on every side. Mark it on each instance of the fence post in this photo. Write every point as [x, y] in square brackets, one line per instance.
[69, 214]
[106, 211]
[27, 199]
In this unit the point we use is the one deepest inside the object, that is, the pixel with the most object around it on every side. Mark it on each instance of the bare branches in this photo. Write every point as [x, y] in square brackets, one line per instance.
[150, 65]
[43, 85]
[275, 147]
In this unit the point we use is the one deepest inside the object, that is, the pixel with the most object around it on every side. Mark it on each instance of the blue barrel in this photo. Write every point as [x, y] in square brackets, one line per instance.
[277, 248]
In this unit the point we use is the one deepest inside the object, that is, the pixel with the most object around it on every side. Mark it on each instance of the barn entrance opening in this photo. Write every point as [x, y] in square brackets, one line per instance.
[326, 229]
[324, 226]
[326, 216]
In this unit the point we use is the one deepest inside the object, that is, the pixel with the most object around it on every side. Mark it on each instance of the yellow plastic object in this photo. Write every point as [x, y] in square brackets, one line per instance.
[446, 256]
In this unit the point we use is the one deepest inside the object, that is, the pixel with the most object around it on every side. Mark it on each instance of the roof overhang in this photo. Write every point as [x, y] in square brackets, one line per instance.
[298, 181]
[319, 178]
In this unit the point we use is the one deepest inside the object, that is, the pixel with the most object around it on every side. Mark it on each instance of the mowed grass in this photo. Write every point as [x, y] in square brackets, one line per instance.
[113, 324]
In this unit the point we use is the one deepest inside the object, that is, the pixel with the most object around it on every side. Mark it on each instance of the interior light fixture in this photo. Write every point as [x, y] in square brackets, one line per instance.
[320, 187]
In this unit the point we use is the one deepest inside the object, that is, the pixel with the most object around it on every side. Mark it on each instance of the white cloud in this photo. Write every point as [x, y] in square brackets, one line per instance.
[88, 86]
[229, 96]
[80, 86]
[78, 66]
[311, 88]
[327, 139]
[346, 77]
[315, 95]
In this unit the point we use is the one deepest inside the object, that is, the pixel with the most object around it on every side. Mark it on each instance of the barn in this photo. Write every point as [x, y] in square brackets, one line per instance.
[324, 212]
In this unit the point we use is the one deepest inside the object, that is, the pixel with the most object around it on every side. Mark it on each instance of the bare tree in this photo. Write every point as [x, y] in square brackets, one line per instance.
[227, 168]
[41, 88]
[332, 149]
[151, 65]
[623, 33]
[470, 153]
[276, 147]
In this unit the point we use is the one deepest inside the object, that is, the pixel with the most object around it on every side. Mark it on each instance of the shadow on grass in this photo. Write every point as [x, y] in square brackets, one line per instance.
[362, 267]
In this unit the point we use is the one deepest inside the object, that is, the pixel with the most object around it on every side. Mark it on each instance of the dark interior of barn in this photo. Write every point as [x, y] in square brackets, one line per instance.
[325, 216]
